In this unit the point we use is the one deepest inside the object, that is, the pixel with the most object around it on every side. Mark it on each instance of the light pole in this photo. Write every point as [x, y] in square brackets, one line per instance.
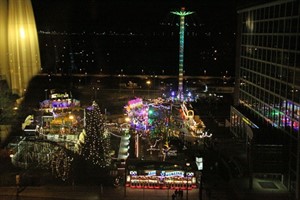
[46, 96]
[187, 181]
[125, 179]
[148, 82]
[199, 163]
[200, 186]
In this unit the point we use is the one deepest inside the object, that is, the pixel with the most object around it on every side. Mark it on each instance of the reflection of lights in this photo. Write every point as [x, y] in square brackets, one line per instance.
[22, 33]
[250, 24]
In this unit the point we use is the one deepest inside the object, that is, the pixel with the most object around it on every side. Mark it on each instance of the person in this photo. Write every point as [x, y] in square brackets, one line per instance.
[180, 193]
[173, 196]
[101, 189]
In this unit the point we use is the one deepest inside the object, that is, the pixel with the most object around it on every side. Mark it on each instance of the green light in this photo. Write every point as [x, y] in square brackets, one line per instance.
[150, 112]
[182, 13]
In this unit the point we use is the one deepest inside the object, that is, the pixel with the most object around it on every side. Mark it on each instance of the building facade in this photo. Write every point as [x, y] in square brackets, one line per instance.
[19, 47]
[268, 74]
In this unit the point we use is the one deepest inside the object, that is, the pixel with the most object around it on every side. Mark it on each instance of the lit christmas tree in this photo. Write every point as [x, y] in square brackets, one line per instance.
[96, 147]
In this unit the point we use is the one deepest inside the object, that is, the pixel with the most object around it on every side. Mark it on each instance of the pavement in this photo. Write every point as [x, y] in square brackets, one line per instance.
[91, 193]
[218, 189]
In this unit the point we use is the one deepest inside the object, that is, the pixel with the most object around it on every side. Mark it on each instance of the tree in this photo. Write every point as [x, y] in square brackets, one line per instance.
[96, 147]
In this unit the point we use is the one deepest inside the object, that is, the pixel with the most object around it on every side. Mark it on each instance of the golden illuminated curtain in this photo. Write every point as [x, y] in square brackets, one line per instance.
[4, 70]
[23, 48]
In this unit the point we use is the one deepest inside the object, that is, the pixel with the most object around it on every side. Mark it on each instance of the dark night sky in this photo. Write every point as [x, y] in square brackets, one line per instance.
[113, 14]
[144, 17]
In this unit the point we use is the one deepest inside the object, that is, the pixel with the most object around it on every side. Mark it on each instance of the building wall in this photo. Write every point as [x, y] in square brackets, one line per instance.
[268, 71]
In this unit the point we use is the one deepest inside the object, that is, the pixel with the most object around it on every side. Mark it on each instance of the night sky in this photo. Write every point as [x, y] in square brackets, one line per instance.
[95, 15]
[214, 21]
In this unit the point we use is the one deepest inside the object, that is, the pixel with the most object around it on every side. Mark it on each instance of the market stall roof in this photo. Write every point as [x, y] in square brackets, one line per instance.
[158, 165]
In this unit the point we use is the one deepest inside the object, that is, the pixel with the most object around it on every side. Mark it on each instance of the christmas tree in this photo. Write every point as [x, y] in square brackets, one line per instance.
[96, 147]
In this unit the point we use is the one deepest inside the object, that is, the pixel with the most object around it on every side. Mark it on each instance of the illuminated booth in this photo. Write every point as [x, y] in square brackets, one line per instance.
[160, 175]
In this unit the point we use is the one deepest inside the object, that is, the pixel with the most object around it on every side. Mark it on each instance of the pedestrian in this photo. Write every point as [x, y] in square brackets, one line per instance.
[180, 193]
[173, 196]
[101, 189]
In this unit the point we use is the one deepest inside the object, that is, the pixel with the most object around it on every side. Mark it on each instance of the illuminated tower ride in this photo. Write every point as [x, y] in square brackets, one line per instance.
[182, 13]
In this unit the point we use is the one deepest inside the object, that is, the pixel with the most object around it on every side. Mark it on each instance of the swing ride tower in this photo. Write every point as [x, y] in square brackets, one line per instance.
[182, 13]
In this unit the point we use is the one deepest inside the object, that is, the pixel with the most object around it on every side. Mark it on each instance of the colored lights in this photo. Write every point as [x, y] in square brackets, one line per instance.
[182, 13]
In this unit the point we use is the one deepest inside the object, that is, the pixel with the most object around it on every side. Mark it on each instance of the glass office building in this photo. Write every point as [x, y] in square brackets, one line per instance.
[268, 72]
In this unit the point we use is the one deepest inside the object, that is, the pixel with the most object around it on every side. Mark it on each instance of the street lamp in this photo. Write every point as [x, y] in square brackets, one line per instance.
[199, 163]
[187, 181]
[148, 82]
[46, 92]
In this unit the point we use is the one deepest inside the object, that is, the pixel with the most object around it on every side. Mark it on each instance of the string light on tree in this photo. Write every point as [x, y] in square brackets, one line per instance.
[61, 164]
[96, 147]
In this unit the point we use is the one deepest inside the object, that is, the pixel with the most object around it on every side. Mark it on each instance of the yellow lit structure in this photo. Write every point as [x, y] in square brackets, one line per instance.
[19, 49]
[4, 71]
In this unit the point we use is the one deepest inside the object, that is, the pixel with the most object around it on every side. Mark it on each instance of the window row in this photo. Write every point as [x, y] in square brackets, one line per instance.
[280, 10]
[278, 112]
[283, 73]
[267, 87]
[290, 42]
[285, 58]
[288, 25]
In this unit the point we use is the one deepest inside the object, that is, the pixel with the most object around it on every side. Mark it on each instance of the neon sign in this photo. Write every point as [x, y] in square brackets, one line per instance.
[152, 173]
[174, 173]
[190, 174]
[199, 163]
[133, 173]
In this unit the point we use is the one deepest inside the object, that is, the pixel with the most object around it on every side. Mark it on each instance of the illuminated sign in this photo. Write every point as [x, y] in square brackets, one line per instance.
[174, 173]
[56, 96]
[151, 173]
[135, 103]
[190, 174]
[133, 173]
[199, 163]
